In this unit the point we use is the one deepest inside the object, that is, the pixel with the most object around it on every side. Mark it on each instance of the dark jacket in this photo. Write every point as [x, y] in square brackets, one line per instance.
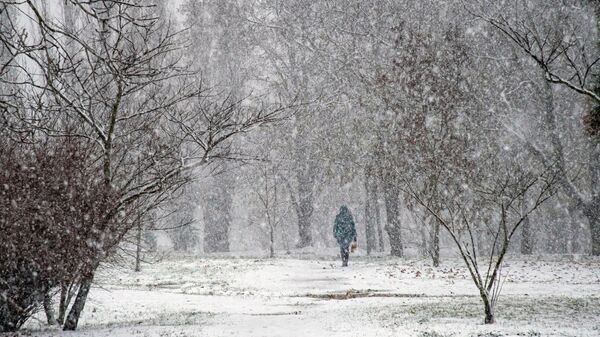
[343, 229]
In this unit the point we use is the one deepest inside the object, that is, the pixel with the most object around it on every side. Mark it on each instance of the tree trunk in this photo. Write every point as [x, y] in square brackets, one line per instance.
[424, 237]
[271, 240]
[217, 216]
[304, 209]
[302, 198]
[435, 243]
[381, 242]
[595, 229]
[370, 209]
[272, 219]
[306, 174]
[304, 229]
[49, 309]
[592, 210]
[575, 236]
[526, 235]
[138, 250]
[489, 312]
[594, 221]
[393, 227]
[526, 238]
[79, 304]
[64, 302]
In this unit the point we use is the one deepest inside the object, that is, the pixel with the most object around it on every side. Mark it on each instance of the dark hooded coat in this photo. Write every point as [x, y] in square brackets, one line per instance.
[343, 228]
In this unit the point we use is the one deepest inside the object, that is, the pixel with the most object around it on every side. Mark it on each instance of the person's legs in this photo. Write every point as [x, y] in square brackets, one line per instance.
[345, 254]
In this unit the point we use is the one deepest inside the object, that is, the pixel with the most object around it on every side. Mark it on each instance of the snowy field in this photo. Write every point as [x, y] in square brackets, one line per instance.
[316, 297]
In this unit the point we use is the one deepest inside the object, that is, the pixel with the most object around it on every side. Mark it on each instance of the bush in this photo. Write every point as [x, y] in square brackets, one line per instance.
[49, 207]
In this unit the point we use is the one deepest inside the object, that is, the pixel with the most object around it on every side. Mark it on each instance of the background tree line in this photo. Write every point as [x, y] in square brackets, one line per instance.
[395, 87]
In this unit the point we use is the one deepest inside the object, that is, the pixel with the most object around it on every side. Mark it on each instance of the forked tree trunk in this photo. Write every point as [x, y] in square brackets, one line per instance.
[79, 303]
[489, 311]
[488, 308]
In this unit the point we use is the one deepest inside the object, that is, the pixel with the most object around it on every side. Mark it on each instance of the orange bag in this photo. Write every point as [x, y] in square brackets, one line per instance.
[354, 246]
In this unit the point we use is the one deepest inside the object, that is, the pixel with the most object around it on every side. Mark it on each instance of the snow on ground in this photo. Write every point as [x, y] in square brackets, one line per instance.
[290, 297]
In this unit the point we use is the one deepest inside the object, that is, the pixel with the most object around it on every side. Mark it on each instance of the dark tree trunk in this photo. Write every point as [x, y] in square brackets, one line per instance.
[79, 303]
[49, 309]
[63, 302]
[216, 237]
[304, 211]
[370, 210]
[526, 238]
[595, 230]
[393, 227]
[435, 243]
[575, 236]
[424, 237]
[304, 204]
[592, 210]
[138, 248]
[488, 309]
[489, 312]
[303, 187]
[526, 234]
[271, 241]
[594, 221]
[381, 242]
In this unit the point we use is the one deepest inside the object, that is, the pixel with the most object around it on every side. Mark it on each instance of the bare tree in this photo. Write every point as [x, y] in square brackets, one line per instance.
[464, 213]
[288, 41]
[115, 81]
[551, 36]
[555, 37]
[268, 192]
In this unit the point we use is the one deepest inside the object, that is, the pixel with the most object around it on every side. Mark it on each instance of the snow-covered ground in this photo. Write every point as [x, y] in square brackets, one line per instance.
[316, 297]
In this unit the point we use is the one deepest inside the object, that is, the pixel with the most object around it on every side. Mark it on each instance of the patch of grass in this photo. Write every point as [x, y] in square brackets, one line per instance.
[456, 308]
[509, 308]
[161, 319]
[558, 307]
[354, 293]
[433, 334]
[489, 334]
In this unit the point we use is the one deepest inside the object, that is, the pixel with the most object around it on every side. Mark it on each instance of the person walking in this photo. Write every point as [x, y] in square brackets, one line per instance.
[344, 233]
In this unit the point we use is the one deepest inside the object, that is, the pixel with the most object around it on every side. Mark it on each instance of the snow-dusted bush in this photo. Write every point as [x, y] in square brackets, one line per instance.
[50, 208]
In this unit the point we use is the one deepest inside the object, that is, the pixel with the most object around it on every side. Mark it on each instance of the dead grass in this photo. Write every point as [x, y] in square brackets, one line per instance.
[353, 293]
